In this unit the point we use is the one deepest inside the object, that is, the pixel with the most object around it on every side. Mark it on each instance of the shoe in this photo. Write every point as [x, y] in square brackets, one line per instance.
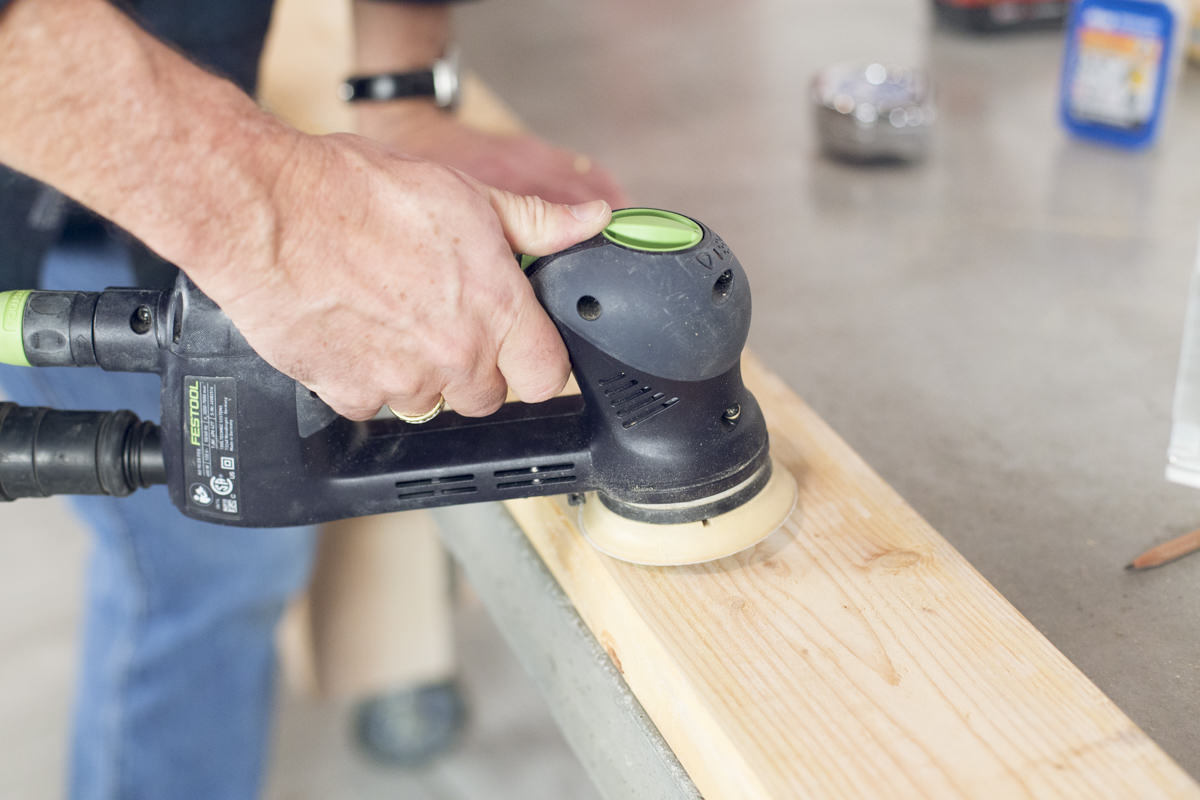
[410, 727]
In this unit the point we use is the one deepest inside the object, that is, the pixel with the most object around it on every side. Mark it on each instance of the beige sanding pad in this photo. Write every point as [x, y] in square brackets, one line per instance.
[691, 542]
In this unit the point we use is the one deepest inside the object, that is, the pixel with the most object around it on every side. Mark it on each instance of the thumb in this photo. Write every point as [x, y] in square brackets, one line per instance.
[537, 227]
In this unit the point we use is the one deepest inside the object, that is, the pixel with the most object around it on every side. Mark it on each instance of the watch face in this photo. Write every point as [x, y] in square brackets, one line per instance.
[446, 85]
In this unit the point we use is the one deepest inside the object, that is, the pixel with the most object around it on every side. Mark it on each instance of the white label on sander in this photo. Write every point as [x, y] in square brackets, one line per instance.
[210, 445]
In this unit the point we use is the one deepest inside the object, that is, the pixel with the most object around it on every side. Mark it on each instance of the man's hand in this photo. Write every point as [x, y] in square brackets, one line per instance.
[369, 276]
[392, 37]
[391, 280]
[520, 163]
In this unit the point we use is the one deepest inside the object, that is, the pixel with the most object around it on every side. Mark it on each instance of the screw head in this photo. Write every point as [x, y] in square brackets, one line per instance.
[141, 320]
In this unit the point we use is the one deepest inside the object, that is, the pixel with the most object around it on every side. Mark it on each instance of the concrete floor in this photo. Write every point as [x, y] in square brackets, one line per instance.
[996, 331]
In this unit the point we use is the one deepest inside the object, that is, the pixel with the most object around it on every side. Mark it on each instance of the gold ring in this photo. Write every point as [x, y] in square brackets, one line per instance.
[417, 419]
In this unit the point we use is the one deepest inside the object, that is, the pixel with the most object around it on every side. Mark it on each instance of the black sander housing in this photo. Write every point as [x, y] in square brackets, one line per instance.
[654, 313]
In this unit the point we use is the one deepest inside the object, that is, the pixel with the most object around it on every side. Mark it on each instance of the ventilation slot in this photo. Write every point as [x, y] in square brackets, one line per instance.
[436, 487]
[535, 476]
[631, 404]
[628, 394]
[645, 411]
[618, 389]
[633, 401]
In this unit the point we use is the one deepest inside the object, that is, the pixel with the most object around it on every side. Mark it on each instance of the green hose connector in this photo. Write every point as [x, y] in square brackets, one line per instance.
[12, 312]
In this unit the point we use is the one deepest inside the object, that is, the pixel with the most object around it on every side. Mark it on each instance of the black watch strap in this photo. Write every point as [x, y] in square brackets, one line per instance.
[440, 82]
[388, 86]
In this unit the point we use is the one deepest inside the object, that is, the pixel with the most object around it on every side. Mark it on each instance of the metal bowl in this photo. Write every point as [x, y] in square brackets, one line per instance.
[873, 112]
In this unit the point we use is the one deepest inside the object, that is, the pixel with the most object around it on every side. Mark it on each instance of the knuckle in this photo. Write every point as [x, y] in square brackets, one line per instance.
[541, 393]
[405, 386]
[479, 407]
[543, 385]
[352, 407]
[492, 406]
[479, 396]
[534, 213]
[459, 355]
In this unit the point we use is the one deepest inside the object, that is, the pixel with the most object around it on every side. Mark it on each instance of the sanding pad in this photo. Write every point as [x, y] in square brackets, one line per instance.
[691, 542]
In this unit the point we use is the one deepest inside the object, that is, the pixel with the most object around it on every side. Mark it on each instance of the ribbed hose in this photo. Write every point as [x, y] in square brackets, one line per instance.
[46, 452]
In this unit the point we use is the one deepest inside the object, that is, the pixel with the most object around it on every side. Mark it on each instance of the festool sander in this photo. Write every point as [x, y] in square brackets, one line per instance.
[664, 451]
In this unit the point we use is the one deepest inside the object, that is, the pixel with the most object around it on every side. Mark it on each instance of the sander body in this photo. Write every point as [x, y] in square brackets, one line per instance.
[654, 313]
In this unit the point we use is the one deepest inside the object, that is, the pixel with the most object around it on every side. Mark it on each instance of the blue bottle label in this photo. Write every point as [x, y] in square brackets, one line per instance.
[1116, 69]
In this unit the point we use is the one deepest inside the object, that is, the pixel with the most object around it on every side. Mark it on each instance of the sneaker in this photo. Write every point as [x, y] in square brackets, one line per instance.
[410, 727]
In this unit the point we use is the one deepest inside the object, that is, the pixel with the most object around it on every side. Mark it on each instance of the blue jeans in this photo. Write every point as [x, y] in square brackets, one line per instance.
[176, 682]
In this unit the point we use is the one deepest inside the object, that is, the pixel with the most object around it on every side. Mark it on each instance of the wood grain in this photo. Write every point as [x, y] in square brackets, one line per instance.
[854, 653]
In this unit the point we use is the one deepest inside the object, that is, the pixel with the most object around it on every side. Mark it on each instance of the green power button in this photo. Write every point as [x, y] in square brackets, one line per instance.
[653, 230]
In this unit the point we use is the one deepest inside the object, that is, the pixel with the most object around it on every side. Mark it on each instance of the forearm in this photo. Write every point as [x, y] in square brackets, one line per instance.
[104, 112]
[398, 37]
[395, 37]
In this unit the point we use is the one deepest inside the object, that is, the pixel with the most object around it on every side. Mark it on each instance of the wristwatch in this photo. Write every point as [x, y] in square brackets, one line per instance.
[440, 82]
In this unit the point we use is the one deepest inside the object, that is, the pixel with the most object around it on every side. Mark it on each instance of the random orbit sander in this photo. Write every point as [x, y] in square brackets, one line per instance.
[664, 452]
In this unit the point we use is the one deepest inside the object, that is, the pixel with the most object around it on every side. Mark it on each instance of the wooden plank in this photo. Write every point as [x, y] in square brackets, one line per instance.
[854, 653]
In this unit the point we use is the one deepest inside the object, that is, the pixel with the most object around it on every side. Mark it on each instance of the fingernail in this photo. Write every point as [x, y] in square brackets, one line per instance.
[591, 210]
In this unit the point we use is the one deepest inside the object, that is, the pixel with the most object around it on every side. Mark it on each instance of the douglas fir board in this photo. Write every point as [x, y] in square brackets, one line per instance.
[854, 653]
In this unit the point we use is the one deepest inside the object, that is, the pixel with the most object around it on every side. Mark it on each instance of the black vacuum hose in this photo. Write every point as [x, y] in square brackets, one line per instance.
[45, 452]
